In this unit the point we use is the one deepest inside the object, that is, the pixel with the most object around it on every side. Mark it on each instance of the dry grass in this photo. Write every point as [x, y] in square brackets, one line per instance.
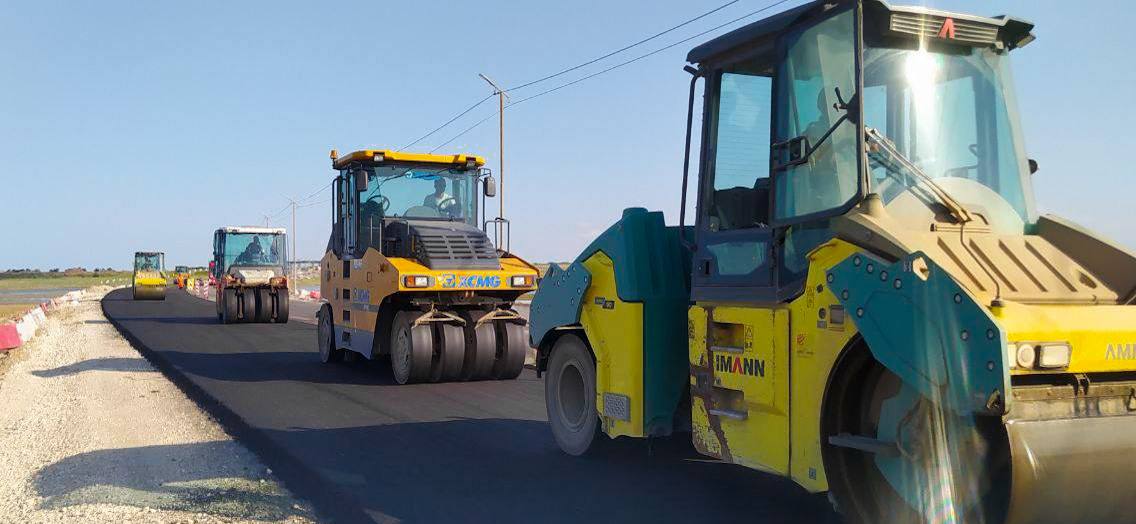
[12, 311]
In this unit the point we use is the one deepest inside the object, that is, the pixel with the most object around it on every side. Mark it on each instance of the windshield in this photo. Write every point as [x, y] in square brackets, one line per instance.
[254, 249]
[953, 116]
[419, 193]
[148, 262]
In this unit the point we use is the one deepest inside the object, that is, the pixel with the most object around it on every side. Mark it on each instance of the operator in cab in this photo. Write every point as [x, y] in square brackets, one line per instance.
[438, 197]
[252, 254]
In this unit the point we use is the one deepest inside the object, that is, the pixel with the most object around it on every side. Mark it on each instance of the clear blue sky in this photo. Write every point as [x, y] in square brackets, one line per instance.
[145, 125]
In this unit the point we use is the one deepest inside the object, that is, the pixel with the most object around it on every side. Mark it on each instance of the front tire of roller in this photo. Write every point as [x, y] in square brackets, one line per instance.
[480, 349]
[570, 395]
[248, 305]
[229, 310]
[411, 349]
[511, 350]
[263, 305]
[326, 337]
[451, 346]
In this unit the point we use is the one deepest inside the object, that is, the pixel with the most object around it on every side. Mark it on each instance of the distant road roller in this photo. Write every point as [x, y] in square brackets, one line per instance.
[181, 276]
[868, 302]
[149, 281]
[410, 274]
[249, 267]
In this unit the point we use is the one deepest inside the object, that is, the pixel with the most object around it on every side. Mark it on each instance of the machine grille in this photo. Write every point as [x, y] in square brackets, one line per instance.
[932, 26]
[461, 249]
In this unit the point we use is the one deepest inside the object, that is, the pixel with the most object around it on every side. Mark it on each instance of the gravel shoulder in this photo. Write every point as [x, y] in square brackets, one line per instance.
[91, 432]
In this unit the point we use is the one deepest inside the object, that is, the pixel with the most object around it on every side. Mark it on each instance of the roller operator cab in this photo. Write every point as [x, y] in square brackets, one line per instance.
[249, 268]
[149, 280]
[868, 302]
[410, 272]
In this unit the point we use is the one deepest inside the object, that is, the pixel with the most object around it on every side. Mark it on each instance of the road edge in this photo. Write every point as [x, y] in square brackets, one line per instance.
[328, 503]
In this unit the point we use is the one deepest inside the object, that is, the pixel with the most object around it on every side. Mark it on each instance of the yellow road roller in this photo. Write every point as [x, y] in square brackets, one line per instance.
[868, 301]
[411, 274]
[149, 282]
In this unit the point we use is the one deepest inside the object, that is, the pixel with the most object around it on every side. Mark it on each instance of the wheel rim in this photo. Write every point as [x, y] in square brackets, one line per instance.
[400, 355]
[570, 396]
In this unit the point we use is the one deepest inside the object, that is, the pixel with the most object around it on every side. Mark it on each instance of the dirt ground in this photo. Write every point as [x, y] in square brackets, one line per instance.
[91, 432]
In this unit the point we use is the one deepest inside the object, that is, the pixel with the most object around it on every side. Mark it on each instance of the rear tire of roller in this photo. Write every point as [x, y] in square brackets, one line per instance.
[511, 350]
[281, 301]
[248, 305]
[263, 305]
[860, 491]
[570, 396]
[229, 309]
[326, 337]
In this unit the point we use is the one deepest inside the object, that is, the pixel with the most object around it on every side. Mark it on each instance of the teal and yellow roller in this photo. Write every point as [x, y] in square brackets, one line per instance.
[887, 381]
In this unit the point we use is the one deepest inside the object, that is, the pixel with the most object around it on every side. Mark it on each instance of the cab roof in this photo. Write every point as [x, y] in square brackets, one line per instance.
[369, 156]
[254, 230]
[917, 20]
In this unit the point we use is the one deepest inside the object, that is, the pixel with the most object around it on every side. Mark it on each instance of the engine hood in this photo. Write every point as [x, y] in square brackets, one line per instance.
[1024, 268]
[255, 275]
[442, 245]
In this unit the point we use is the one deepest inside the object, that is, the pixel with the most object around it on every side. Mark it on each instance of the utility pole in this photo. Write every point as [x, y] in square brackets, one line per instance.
[501, 96]
[295, 281]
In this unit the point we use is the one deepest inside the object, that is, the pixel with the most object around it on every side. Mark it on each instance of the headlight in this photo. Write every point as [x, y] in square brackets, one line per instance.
[1039, 355]
[521, 281]
[416, 281]
[1054, 356]
[1027, 356]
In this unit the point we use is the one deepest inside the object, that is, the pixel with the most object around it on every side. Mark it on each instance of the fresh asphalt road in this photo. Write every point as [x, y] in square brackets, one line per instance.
[364, 449]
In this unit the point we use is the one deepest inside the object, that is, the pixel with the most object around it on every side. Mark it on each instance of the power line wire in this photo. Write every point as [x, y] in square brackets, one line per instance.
[569, 70]
[625, 48]
[652, 53]
[617, 66]
[448, 122]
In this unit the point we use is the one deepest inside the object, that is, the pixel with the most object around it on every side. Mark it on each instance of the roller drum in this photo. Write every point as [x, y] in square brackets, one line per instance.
[1073, 469]
[142, 292]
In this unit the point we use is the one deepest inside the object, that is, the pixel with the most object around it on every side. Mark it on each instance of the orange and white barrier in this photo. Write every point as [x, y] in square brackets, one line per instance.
[18, 333]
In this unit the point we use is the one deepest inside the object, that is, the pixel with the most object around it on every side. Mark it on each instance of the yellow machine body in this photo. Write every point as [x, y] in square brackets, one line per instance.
[356, 298]
[418, 279]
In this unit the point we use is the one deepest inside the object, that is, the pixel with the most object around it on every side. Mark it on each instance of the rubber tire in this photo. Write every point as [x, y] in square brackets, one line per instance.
[451, 349]
[511, 349]
[248, 305]
[263, 305]
[570, 395]
[220, 312]
[229, 306]
[411, 349]
[281, 301]
[480, 348]
[325, 337]
[858, 489]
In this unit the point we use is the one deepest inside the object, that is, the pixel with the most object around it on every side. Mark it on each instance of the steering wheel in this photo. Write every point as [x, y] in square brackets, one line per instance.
[383, 203]
[446, 205]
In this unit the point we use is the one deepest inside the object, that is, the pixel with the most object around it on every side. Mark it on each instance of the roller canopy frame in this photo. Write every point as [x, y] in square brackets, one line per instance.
[924, 327]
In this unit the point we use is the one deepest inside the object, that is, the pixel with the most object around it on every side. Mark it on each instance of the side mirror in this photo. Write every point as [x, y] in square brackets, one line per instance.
[490, 186]
[1033, 166]
[360, 180]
